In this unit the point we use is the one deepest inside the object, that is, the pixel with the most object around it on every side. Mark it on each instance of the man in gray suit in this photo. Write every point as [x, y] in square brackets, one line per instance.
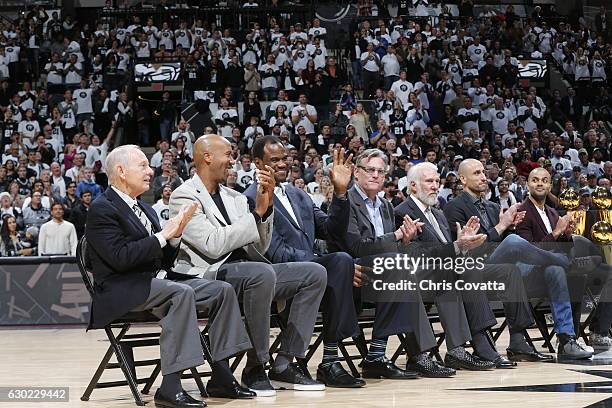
[226, 241]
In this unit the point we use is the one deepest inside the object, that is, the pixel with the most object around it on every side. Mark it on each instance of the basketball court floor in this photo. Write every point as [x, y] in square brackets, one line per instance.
[68, 358]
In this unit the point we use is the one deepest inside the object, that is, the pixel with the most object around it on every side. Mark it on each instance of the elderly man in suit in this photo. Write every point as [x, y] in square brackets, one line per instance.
[424, 183]
[227, 241]
[372, 235]
[127, 249]
[297, 223]
[496, 223]
[543, 225]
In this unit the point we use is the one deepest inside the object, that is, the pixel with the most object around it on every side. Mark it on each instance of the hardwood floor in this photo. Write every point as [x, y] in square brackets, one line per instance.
[68, 357]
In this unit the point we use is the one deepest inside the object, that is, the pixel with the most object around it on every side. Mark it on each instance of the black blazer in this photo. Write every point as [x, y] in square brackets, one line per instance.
[360, 238]
[462, 208]
[428, 233]
[124, 258]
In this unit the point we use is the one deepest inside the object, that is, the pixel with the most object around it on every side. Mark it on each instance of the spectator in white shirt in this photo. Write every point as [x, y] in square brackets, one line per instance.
[391, 67]
[57, 236]
[161, 207]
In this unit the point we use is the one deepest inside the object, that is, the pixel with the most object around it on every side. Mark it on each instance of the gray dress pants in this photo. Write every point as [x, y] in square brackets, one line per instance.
[175, 304]
[257, 284]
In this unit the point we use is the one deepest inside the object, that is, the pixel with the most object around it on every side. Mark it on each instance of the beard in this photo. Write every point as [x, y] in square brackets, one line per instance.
[426, 198]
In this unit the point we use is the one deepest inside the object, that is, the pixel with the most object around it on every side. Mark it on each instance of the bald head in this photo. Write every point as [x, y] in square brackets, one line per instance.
[208, 144]
[212, 155]
[473, 177]
[539, 172]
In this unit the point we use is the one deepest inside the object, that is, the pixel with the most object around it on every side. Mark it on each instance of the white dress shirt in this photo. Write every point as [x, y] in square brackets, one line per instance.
[281, 194]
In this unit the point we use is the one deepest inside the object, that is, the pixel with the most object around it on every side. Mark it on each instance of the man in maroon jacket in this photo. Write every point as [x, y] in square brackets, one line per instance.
[542, 224]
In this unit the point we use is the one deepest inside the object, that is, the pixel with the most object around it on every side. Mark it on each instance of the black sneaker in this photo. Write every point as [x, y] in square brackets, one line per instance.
[257, 381]
[293, 378]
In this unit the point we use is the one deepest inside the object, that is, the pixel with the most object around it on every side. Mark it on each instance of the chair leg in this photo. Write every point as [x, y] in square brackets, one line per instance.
[96, 377]
[198, 379]
[152, 379]
[123, 364]
[349, 360]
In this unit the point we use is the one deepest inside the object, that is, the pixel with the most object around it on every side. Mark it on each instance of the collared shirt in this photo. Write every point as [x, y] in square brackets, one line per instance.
[544, 218]
[281, 194]
[374, 212]
[435, 224]
[478, 202]
[131, 202]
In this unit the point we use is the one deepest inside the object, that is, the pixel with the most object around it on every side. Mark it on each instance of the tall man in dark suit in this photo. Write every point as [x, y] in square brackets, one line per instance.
[372, 235]
[423, 184]
[128, 249]
[297, 223]
[543, 225]
[496, 223]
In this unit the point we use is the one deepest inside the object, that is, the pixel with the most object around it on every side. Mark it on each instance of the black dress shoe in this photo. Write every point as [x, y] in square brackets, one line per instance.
[428, 367]
[180, 400]
[533, 356]
[467, 362]
[502, 362]
[335, 376]
[233, 391]
[386, 369]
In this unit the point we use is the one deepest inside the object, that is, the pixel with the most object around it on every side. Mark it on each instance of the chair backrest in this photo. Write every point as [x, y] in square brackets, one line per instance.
[84, 265]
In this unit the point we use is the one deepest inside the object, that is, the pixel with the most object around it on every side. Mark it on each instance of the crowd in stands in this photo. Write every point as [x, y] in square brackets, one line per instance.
[438, 90]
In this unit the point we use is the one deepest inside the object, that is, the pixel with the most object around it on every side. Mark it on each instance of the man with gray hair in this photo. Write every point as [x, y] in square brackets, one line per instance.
[130, 255]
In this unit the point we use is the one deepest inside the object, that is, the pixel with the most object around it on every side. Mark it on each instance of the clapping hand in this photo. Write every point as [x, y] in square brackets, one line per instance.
[174, 226]
[468, 237]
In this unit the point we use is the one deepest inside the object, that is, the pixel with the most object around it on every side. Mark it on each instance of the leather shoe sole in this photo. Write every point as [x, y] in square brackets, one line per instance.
[533, 356]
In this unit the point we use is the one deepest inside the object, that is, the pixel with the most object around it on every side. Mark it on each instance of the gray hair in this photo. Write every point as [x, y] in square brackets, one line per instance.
[119, 156]
[416, 171]
[368, 154]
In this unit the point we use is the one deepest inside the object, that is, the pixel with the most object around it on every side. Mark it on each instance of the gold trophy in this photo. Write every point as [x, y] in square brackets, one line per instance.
[570, 201]
[601, 232]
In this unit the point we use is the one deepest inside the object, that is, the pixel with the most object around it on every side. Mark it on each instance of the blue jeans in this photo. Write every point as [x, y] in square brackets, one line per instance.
[356, 74]
[389, 80]
[514, 248]
[165, 129]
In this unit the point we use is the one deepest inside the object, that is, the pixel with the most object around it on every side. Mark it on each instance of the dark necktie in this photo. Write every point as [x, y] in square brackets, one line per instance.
[484, 217]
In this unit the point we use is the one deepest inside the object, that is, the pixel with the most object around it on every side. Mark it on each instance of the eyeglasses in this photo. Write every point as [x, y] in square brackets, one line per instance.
[373, 171]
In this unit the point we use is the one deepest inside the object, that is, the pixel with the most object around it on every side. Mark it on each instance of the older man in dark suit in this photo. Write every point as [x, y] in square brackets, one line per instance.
[130, 254]
[297, 223]
[423, 183]
[543, 225]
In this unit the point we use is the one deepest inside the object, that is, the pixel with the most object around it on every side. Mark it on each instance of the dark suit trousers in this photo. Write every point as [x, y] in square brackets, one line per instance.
[406, 316]
[175, 303]
[453, 315]
[514, 298]
[338, 307]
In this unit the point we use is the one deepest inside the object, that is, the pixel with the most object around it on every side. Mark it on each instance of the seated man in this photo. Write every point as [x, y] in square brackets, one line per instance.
[423, 184]
[371, 234]
[543, 225]
[297, 223]
[495, 223]
[226, 241]
[127, 249]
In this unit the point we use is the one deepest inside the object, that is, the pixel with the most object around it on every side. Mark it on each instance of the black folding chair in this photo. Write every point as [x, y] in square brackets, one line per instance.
[123, 343]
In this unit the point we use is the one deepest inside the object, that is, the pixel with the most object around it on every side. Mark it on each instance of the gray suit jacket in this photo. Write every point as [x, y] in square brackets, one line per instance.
[207, 240]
